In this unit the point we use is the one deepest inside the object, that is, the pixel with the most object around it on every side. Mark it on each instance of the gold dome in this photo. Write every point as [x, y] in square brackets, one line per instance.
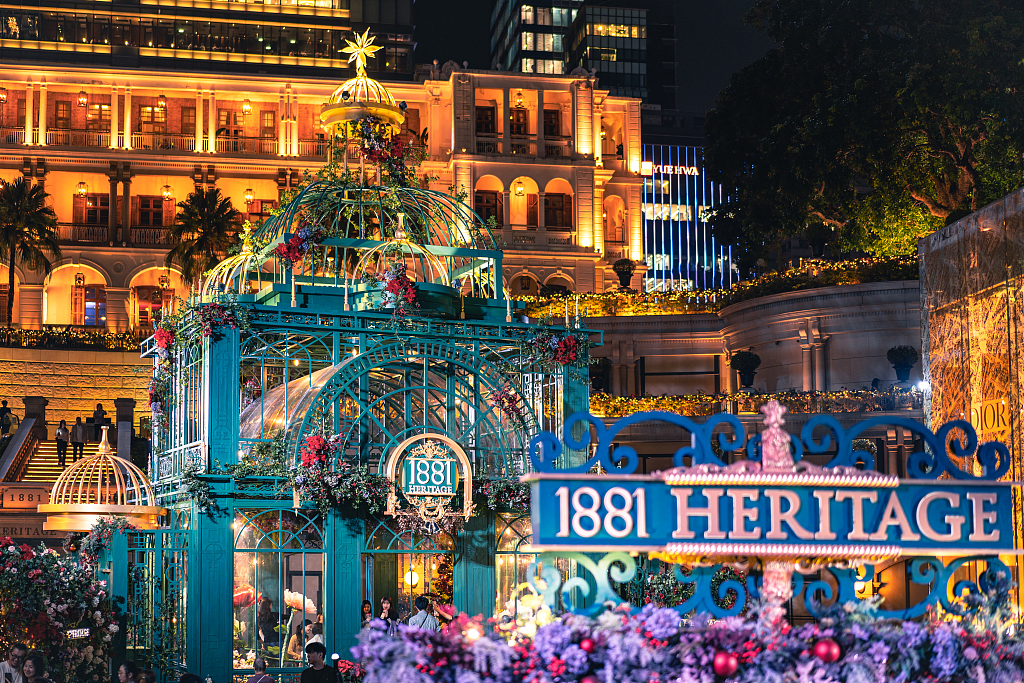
[99, 486]
[360, 96]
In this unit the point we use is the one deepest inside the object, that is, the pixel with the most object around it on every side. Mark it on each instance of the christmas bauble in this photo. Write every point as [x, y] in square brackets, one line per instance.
[587, 645]
[726, 663]
[827, 650]
[590, 679]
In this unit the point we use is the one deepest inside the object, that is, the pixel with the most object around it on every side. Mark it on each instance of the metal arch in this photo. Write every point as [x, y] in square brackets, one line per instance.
[264, 348]
[403, 546]
[393, 352]
[250, 521]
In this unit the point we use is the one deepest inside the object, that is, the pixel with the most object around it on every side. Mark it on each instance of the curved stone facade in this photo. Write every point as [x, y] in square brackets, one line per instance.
[823, 339]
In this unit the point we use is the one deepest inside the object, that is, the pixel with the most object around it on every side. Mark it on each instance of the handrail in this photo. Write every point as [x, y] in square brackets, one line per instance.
[15, 457]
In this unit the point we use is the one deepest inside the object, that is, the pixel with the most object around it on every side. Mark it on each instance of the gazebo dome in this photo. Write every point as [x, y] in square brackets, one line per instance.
[99, 486]
[360, 96]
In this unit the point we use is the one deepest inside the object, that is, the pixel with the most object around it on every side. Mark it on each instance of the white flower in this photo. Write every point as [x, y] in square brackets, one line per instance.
[95, 601]
[113, 628]
[106, 638]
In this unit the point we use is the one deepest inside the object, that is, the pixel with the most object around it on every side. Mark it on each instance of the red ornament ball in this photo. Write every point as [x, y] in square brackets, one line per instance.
[827, 650]
[726, 663]
[587, 645]
[590, 679]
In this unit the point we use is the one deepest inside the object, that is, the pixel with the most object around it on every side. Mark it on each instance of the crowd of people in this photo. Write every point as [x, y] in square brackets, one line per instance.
[77, 435]
[429, 614]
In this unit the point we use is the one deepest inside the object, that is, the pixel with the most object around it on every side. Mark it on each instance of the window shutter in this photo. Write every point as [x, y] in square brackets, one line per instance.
[78, 305]
[170, 210]
[3, 305]
[120, 212]
[567, 203]
[167, 302]
[531, 210]
[500, 217]
[136, 215]
[78, 209]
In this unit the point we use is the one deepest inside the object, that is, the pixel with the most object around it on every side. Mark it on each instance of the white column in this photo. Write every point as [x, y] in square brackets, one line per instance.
[506, 122]
[114, 116]
[199, 120]
[127, 117]
[211, 140]
[281, 125]
[598, 214]
[725, 374]
[29, 95]
[819, 367]
[597, 134]
[42, 113]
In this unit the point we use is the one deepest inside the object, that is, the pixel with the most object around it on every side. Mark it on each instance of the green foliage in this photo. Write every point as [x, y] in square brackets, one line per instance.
[68, 338]
[500, 493]
[197, 489]
[745, 362]
[624, 266]
[28, 231]
[882, 120]
[902, 356]
[202, 233]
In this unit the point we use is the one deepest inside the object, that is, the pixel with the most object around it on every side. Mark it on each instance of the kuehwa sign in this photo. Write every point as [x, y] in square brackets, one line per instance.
[884, 518]
[647, 168]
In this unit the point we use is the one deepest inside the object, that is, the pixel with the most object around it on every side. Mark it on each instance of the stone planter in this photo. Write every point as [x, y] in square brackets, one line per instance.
[902, 372]
[624, 279]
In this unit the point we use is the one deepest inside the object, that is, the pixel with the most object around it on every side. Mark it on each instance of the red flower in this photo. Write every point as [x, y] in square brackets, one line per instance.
[164, 338]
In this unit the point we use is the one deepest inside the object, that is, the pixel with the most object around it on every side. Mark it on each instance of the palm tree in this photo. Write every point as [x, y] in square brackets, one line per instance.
[202, 233]
[28, 232]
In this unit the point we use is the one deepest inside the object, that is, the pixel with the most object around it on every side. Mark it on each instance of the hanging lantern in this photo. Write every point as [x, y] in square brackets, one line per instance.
[81, 189]
[167, 192]
[83, 99]
[246, 107]
[3, 95]
[519, 100]
[519, 188]
[161, 101]
[164, 282]
[249, 196]
[79, 279]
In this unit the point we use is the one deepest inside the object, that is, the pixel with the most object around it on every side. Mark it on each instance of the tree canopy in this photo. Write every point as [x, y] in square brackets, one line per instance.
[881, 120]
[202, 233]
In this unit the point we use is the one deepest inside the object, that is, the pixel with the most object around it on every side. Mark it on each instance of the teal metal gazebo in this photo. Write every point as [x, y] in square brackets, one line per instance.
[243, 563]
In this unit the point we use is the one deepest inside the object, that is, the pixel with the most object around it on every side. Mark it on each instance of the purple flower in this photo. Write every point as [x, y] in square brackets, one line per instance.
[879, 651]
[943, 652]
[576, 660]
[552, 639]
[662, 623]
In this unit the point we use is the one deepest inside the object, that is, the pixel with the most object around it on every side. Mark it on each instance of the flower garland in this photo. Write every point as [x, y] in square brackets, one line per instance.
[42, 596]
[552, 348]
[302, 242]
[508, 403]
[398, 293]
[216, 316]
[346, 485]
[99, 537]
[503, 494]
[160, 392]
[702, 405]
[849, 643]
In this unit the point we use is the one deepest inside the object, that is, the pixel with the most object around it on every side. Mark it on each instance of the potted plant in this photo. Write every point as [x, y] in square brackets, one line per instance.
[624, 269]
[746, 363]
[902, 358]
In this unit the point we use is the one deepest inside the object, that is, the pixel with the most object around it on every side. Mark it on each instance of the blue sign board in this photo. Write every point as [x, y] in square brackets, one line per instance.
[639, 512]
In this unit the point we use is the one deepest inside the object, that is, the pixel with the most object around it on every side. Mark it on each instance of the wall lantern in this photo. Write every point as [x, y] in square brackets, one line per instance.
[519, 188]
[81, 189]
[167, 192]
[519, 100]
[246, 107]
[161, 101]
[164, 282]
[79, 279]
[83, 99]
[3, 95]
[249, 196]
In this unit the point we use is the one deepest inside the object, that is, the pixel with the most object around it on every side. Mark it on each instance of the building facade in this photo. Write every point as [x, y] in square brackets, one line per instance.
[117, 153]
[531, 37]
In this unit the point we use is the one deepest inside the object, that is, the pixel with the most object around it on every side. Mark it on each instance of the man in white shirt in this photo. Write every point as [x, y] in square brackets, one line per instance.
[10, 671]
[423, 618]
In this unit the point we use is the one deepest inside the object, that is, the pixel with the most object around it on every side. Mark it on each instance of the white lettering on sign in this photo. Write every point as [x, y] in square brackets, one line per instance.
[676, 170]
[78, 633]
[590, 511]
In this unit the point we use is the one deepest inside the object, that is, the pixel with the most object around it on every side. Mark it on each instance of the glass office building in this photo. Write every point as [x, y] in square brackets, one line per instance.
[679, 249]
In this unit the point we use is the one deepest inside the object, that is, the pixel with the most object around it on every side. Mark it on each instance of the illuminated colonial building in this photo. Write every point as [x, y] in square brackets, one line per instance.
[118, 149]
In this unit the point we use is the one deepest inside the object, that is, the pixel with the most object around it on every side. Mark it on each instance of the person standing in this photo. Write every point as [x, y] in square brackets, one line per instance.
[62, 436]
[366, 613]
[316, 633]
[78, 437]
[317, 672]
[259, 672]
[128, 672]
[34, 670]
[10, 670]
[98, 416]
[423, 618]
[388, 616]
[5, 418]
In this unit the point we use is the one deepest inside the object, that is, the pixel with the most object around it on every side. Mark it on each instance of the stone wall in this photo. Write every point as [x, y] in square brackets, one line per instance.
[73, 381]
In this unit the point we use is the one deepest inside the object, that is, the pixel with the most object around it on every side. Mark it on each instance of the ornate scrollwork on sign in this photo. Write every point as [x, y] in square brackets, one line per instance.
[428, 469]
[956, 440]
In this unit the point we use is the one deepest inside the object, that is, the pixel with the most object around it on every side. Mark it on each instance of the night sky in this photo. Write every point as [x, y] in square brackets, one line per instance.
[716, 42]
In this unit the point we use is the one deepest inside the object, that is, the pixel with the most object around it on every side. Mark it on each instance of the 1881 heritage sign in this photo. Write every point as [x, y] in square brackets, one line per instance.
[428, 469]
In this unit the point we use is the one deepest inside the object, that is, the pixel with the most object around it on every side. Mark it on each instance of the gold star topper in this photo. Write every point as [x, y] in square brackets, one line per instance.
[360, 49]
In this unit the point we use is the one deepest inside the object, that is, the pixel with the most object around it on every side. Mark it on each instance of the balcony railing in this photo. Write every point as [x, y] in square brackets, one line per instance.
[75, 138]
[72, 337]
[313, 148]
[164, 142]
[82, 232]
[488, 143]
[144, 235]
[242, 145]
[13, 136]
[524, 145]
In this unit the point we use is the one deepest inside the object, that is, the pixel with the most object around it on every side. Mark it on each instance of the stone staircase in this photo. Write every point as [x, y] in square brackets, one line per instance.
[42, 465]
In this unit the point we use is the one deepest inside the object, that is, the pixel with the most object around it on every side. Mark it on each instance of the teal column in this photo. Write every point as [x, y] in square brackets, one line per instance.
[575, 398]
[344, 545]
[474, 579]
[221, 396]
[209, 638]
